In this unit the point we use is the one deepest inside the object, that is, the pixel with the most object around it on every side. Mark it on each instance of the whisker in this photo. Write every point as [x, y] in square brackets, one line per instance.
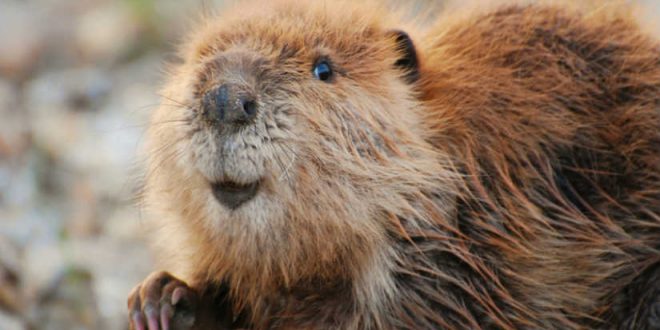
[163, 160]
[176, 102]
[293, 157]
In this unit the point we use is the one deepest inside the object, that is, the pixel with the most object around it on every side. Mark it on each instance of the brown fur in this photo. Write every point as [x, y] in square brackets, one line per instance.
[515, 185]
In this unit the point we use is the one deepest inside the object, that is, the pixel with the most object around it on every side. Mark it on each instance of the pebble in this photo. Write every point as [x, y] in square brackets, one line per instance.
[10, 294]
[13, 128]
[107, 33]
[69, 303]
[11, 322]
[22, 37]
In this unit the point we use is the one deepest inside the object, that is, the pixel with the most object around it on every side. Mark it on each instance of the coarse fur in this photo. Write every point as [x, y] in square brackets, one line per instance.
[512, 181]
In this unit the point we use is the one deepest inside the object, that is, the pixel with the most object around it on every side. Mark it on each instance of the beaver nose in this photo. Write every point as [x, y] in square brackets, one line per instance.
[227, 105]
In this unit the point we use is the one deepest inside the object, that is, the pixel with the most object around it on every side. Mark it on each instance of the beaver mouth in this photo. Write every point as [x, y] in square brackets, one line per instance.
[232, 194]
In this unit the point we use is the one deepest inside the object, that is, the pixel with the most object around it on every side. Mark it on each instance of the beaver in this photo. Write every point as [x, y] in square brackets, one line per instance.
[326, 165]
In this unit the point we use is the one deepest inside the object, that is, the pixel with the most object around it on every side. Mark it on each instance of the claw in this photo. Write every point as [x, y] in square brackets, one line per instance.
[137, 320]
[177, 295]
[166, 313]
[152, 317]
[161, 302]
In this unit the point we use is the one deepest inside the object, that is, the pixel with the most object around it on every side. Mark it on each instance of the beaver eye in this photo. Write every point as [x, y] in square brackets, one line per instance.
[322, 71]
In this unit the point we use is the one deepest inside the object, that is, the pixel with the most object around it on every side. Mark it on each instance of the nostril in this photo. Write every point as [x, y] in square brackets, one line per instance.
[250, 108]
[228, 105]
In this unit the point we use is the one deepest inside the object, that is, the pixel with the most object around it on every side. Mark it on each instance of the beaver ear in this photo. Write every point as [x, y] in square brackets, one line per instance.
[408, 55]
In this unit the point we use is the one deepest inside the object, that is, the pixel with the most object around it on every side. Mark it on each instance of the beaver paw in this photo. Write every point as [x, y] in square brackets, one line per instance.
[162, 302]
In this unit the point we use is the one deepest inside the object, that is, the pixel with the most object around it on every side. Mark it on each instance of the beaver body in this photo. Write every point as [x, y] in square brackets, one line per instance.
[315, 167]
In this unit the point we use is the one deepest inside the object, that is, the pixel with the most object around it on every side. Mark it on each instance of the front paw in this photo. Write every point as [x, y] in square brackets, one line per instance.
[162, 302]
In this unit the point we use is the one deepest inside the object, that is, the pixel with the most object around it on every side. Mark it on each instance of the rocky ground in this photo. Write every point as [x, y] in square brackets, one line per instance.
[77, 82]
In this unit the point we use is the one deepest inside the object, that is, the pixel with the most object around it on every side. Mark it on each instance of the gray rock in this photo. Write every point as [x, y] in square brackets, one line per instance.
[11, 322]
[13, 126]
[116, 266]
[43, 264]
[69, 303]
[62, 105]
[8, 96]
[92, 122]
[14, 141]
[22, 37]
[10, 295]
[107, 33]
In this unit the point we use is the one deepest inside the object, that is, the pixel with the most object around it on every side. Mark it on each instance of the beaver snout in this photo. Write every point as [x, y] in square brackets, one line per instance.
[230, 106]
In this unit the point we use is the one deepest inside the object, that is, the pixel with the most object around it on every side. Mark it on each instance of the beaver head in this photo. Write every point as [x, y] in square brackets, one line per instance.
[292, 135]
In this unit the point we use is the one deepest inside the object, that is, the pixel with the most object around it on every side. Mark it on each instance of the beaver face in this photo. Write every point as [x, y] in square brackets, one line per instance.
[270, 104]
[292, 113]
[229, 115]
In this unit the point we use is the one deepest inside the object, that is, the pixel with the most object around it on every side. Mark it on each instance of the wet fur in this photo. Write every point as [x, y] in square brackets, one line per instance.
[513, 184]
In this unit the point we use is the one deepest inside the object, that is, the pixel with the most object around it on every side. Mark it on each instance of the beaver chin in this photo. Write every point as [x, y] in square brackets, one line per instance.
[232, 195]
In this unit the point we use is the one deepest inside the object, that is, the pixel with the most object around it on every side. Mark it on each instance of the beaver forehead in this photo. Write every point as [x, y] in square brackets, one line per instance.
[296, 29]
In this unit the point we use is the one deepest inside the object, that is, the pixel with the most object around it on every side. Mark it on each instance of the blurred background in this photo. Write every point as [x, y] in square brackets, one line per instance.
[77, 82]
